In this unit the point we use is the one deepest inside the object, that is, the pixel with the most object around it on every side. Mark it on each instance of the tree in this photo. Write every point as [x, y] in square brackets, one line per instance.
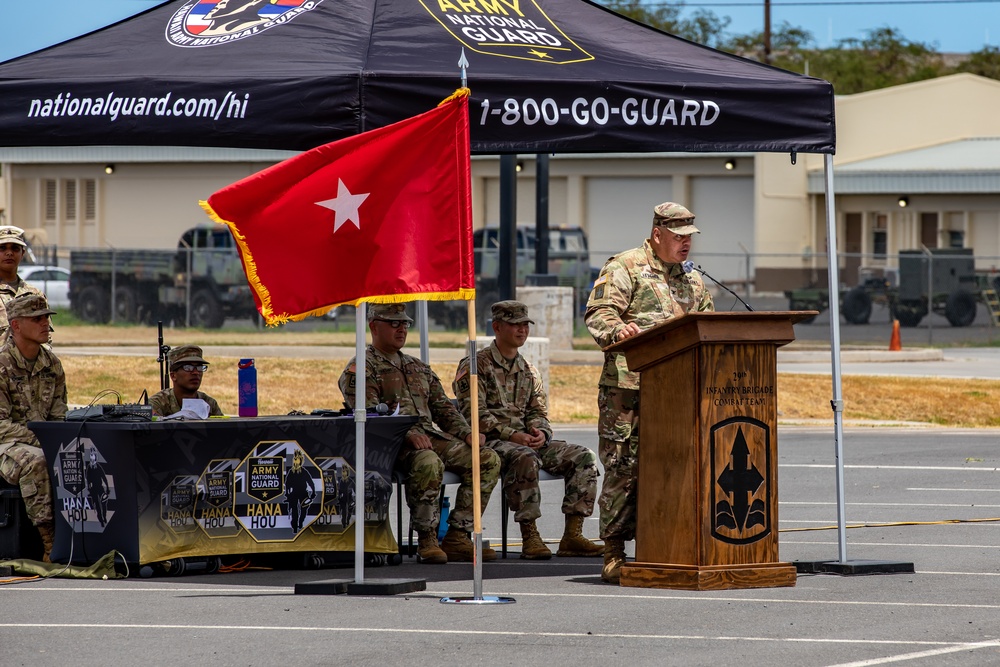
[984, 63]
[883, 58]
[704, 27]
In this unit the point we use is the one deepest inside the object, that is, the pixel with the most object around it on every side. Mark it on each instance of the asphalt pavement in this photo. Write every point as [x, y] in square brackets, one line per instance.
[923, 495]
[927, 496]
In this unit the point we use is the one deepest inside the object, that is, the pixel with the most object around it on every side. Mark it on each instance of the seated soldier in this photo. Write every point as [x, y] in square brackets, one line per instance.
[441, 440]
[514, 418]
[32, 388]
[187, 368]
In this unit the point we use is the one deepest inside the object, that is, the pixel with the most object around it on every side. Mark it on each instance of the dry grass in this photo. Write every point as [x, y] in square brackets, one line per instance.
[307, 384]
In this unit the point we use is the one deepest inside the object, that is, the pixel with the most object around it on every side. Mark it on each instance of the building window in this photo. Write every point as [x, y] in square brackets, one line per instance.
[956, 239]
[880, 236]
[89, 200]
[50, 201]
[71, 200]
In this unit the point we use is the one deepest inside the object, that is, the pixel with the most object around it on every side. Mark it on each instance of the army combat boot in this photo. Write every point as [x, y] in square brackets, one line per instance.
[459, 548]
[428, 550]
[532, 547]
[614, 558]
[573, 543]
[48, 533]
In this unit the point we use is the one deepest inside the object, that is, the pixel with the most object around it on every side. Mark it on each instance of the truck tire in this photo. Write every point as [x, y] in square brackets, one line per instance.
[206, 311]
[857, 306]
[960, 308]
[909, 315]
[126, 305]
[93, 306]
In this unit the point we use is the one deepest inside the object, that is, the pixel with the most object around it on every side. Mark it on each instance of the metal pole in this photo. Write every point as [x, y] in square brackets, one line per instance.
[360, 415]
[542, 213]
[837, 402]
[507, 274]
[114, 275]
[424, 323]
[930, 293]
[190, 259]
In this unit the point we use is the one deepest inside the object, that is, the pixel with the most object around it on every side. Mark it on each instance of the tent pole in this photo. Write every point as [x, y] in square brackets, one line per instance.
[422, 318]
[360, 415]
[837, 403]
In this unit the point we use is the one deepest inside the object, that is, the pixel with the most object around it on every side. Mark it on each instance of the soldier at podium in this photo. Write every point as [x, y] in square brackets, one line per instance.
[636, 289]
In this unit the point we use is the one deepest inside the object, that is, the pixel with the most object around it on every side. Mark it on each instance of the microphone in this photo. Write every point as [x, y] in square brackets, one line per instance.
[688, 266]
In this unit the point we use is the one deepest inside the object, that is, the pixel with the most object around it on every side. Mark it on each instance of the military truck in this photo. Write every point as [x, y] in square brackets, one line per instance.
[569, 261]
[204, 275]
[955, 291]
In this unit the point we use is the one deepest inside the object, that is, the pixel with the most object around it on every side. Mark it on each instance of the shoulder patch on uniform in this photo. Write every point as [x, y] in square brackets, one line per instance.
[353, 368]
[603, 278]
[463, 370]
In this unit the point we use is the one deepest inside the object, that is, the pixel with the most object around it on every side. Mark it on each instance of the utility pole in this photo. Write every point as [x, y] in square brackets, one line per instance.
[767, 32]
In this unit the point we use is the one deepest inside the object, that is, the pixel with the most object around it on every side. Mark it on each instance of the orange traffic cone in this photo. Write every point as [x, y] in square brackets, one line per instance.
[894, 344]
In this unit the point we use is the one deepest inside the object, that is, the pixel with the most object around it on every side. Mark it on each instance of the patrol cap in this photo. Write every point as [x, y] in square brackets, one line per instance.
[388, 311]
[12, 234]
[674, 217]
[511, 312]
[185, 354]
[28, 305]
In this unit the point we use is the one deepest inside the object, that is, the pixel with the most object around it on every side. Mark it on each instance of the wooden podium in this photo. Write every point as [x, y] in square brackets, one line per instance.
[707, 516]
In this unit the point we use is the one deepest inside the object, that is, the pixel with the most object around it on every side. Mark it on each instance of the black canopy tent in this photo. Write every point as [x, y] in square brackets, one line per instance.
[550, 76]
[547, 76]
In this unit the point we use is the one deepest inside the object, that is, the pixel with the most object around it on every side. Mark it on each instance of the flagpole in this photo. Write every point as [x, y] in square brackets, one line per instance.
[477, 502]
[360, 415]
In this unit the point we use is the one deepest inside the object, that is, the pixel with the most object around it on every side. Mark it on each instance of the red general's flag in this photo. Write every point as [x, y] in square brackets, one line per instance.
[382, 216]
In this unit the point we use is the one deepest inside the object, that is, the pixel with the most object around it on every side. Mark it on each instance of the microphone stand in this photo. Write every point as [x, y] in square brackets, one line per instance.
[705, 273]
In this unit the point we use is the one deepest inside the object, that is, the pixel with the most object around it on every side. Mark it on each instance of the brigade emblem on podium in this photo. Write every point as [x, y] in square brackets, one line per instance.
[741, 468]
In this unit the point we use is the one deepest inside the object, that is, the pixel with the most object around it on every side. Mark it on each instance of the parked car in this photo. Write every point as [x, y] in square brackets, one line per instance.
[53, 281]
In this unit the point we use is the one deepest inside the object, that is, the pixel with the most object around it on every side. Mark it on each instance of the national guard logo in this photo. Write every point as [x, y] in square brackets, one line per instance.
[177, 504]
[264, 476]
[71, 471]
[215, 500]
[741, 466]
[211, 22]
[507, 28]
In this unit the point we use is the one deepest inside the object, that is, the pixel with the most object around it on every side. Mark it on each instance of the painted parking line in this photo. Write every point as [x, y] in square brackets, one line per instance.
[517, 634]
[888, 467]
[919, 655]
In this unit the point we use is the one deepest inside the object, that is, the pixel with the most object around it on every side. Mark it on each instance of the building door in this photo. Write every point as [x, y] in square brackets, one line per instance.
[929, 230]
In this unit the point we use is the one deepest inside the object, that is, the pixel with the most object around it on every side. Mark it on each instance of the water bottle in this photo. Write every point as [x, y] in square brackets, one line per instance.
[443, 523]
[247, 388]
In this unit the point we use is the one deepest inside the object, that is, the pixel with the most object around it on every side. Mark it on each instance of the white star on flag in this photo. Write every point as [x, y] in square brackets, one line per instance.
[344, 206]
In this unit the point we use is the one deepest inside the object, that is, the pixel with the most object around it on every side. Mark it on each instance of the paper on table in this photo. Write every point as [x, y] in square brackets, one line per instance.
[191, 408]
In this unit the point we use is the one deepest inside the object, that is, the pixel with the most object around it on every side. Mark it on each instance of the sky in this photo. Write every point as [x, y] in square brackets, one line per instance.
[945, 25]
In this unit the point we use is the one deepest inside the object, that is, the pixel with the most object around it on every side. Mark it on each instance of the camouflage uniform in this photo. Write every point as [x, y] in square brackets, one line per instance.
[164, 402]
[511, 400]
[29, 392]
[634, 286]
[413, 386]
[13, 235]
[7, 292]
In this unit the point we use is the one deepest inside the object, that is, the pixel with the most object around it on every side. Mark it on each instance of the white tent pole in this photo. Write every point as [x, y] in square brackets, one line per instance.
[424, 323]
[360, 415]
[837, 403]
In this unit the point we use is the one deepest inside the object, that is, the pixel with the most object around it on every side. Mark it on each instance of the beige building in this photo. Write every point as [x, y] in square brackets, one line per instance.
[931, 145]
